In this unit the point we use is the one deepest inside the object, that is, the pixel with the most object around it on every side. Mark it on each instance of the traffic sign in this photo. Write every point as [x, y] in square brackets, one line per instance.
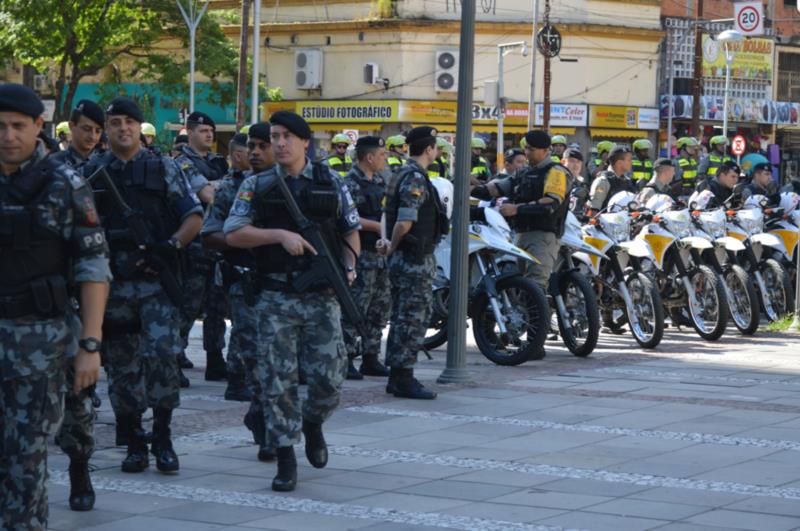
[548, 41]
[352, 134]
[749, 17]
[738, 146]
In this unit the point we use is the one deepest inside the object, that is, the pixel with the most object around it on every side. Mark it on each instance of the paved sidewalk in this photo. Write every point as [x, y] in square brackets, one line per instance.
[693, 436]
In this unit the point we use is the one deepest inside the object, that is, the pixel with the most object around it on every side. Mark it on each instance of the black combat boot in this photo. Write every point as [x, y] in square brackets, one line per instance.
[215, 367]
[237, 390]
[166, 459]
[183, 381]
[127, 425]
[394, 375]
[136, 460]
[81, 493]
[266, 454]
[286, 479]
[352, 372]
[316, 449]
[371, 366]
[184, 362]
[406, 386]
[255, 423]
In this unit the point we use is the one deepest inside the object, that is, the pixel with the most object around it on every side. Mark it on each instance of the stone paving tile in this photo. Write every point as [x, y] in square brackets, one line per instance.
[132, 503]
[503, 477]
[309, 522]
[745, 520]
[601, 522]
[779, 432]
[648, 509]
[324, 492]
[709, 499]
[588, 459]
[541, 497]
[546, 441]
[767, 506]
[497, 454]
[503, 511]
[214, 513]
[459, 490]
[693, 527]
[224, 482]
[409, 502]
[368, 480]
[592, 487]
[69, 519]
[138, 523]
[495, 430]
[758, 471]
[416, 470]
[399, 427]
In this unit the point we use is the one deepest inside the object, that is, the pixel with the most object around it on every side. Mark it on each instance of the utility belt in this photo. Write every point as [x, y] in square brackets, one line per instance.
[282, 282]
[44, 297]
[416, 249]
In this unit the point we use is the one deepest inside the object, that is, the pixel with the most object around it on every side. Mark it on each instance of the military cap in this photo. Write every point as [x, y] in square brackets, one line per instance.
[729, 165]
[92, 111]
[663, 163]
[260, 131]
[121, 106]
[370, 141]
[572, 153]
[239, 139]
[537, 139]
[421, 135]
[181, 139]
[21, 99]
[511, 153]
[200, 118]
[762, 166]
[293, 122]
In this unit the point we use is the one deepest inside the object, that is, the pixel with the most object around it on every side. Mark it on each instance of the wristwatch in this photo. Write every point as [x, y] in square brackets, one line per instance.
[90, 344]
[176, 243]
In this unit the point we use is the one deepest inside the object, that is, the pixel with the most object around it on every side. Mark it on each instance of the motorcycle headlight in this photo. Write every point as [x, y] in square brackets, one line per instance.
[715, 229]
[622, 232]
[681, 229]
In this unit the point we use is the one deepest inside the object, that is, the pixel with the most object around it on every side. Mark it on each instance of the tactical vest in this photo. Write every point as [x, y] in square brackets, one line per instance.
[642, 170]
[714, 163]
[212, 167]
[371, 208]
[339, 165]
[142, 184]
[689, 174]
[34, 260]
[432, 222]
[529, 190]
[318, 199]
[616, 185]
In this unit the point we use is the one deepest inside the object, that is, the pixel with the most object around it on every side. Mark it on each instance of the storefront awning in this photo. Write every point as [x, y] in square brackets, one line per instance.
[619, 133]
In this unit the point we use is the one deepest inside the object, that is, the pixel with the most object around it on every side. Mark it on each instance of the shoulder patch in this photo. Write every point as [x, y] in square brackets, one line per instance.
[245, 195]
[73, 177]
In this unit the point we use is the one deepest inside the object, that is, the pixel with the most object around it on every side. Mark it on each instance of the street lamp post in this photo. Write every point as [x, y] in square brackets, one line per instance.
[192, 19]
[502, 50]
[728, 37]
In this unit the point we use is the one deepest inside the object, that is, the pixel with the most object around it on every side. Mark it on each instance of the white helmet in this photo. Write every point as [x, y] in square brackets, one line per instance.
[446, 191]
[660, 203]
[789, 202]
[620, 201]
[701, 200]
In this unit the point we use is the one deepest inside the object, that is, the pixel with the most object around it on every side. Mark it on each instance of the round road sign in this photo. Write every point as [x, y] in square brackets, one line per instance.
[738, 145]
[749, 19]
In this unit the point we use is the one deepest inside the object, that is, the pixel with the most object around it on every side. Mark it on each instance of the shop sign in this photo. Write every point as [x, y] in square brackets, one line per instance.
[427, 112]
[618, 117]
[753, 58]
[739, 109]
[563, 115]
[648, 119]
[368, 111]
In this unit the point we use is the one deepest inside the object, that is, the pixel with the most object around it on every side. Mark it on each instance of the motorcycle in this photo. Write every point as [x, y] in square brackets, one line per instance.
[740, 292]
[509, 313]
[783, 223]
[574, 298]
[772, 281]
[678, 270]
[625, 293]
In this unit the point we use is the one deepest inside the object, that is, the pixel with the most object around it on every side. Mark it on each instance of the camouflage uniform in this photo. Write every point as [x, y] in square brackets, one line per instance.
[291, 323]
[371, 289]
[201, 292]
[141, 322]
[35, 350]
[411, 272]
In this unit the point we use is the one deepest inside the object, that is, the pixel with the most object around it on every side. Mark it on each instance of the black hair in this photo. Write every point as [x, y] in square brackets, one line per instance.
[418, 148]
[363, 151]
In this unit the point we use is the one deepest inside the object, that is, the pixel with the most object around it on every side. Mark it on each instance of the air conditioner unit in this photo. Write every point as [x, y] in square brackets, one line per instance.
[308, 68]
[372, 74]
[446, 71]
[40, 82]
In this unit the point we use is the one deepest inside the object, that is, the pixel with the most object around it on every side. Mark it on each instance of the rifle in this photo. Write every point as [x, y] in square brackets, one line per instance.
[137, 226]
[325, 265]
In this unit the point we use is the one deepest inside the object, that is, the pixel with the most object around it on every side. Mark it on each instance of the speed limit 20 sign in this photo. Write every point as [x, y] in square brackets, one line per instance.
[749, 17]
[738, 145]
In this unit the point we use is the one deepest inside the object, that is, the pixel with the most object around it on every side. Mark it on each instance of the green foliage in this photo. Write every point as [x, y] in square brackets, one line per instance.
[782, 324]
[382, 9]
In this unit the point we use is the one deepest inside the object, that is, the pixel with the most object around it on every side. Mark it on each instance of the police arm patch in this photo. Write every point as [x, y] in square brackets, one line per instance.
[556, 184]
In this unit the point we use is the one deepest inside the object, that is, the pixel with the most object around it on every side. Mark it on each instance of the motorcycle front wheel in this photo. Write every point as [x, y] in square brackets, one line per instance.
[743, 301]
[526, 312]
[778, 300]
[710, 317]
[648, 308]
[583, 315]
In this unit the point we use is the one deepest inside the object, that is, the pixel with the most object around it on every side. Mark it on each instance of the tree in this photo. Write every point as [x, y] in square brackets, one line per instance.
[77, 39]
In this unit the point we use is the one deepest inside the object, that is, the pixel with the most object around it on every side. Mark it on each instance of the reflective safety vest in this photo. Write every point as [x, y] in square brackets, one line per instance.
[688, 173]
[481, 169]
[714, 163]
[555, 158]
[642, 170]
[338, 165]
[395, 162]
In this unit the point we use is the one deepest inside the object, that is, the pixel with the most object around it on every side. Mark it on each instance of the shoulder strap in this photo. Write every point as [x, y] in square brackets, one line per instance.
[31, 182]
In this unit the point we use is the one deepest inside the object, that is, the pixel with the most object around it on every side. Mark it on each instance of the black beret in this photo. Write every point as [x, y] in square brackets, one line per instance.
[293, 122]
[369, 141]
[239, 139]
[762, 166]
[260, 131]
[21, 99]
[200, 118]
[537, 139]
[663, 163]
[421, 134]
[125, 107]
[92, 111]
[181, 139]
[618, 151]
[729, 165]
[572, 153]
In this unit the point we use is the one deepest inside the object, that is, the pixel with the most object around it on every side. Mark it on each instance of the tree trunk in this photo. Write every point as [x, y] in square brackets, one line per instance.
[241, 88]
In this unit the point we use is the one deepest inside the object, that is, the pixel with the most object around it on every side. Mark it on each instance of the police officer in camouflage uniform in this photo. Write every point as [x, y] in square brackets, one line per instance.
[252, 151]
[612, 181]
[371, 289]
[204, 170]
[141, 320]
[76, 435]
[660, 183]
[416, 220]
[293, 323]
[50, 239]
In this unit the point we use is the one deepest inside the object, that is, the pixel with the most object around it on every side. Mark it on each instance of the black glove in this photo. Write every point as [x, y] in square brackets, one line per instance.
[481, 192]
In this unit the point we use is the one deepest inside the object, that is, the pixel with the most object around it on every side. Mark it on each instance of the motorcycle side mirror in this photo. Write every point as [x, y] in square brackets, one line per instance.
[693, 205]
[763, 203]
[633, 206]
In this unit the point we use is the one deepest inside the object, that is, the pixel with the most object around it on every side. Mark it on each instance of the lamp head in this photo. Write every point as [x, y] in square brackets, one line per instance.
[729, 36]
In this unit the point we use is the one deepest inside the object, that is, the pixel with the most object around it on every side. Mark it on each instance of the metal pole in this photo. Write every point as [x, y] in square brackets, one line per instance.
[256, 60]
[241, 85]
[728, 61]
[456, 370]
[671, 97]
[500, 113]
[796, 321]
[547, 76]
[192, 34]
[192, 19]
[532, 94]
[697, 82]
